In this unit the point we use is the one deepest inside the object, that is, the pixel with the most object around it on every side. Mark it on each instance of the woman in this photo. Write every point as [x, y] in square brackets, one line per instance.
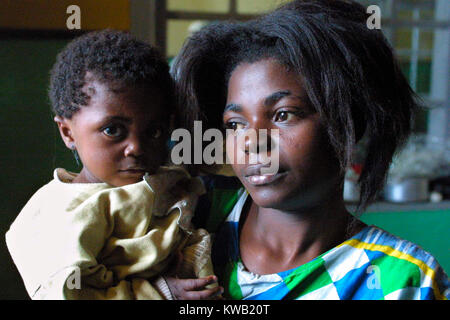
[314, 72]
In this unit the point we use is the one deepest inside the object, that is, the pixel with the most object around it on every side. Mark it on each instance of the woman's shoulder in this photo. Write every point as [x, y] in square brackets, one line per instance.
[400, 267]
[378, 240]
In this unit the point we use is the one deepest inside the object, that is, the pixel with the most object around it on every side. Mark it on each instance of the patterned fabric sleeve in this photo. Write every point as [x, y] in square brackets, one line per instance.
[222, 193]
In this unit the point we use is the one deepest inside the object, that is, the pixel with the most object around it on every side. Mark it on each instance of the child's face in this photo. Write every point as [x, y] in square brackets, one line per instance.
[119, 135]
[263, 95]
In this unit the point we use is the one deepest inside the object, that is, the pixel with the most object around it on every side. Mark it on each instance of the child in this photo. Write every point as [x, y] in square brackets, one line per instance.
[111, 230]
[314, 72]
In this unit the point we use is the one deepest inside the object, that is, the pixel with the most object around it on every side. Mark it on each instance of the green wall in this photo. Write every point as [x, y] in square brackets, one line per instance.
[30, 144]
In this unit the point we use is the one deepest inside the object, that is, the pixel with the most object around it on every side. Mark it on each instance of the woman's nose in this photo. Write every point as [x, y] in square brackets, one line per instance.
[258, 141]
[257, 137]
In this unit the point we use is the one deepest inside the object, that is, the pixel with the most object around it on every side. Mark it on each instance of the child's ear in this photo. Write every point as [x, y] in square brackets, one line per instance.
[65, 131]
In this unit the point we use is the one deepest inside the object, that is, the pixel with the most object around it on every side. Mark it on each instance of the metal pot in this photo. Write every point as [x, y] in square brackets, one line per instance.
[409, 190]
[351, 191]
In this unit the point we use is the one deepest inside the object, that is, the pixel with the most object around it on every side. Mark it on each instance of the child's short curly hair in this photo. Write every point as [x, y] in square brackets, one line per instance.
[111, 56]
[349, 72]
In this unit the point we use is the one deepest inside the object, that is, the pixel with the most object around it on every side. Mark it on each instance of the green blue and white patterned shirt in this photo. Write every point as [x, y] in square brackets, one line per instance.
[372, 265]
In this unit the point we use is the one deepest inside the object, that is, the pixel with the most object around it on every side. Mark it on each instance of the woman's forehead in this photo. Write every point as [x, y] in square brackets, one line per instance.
[266, 79]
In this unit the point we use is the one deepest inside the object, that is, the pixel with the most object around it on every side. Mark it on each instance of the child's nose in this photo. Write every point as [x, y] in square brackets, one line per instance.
[134, 147]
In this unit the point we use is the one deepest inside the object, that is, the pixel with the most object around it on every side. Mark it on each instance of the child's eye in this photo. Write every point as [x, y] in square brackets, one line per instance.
[155, 133]
[114, 131]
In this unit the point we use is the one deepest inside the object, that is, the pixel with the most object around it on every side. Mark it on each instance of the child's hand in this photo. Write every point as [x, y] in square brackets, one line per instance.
[193, 289]
[190, 289]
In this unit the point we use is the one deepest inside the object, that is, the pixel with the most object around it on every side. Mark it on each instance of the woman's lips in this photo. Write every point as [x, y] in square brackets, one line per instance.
[254, 177]
[260, 180]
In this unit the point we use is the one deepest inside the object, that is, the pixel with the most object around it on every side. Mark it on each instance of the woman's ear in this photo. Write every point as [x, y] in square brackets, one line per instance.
[64, 126]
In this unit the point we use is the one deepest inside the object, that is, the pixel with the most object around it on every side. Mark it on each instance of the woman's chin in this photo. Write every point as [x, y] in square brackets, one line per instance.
[267, 198]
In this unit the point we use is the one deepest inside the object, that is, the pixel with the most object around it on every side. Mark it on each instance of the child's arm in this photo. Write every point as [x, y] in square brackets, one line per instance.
[92, 249]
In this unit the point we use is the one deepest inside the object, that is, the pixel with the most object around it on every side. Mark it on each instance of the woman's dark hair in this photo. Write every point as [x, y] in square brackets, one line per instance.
[111, 56]
[349, 72]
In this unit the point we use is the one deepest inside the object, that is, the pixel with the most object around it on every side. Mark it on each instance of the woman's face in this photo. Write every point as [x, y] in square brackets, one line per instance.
[264, 95]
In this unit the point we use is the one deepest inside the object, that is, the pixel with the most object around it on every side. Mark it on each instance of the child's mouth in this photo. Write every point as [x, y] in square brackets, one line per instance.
[133, 170]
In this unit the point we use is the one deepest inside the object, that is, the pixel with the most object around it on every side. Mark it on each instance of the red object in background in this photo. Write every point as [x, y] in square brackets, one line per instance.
[357, 168]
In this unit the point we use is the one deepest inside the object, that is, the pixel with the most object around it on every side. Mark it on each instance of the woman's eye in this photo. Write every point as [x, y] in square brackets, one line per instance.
[284, 116]
[234, 125]
[114, 131]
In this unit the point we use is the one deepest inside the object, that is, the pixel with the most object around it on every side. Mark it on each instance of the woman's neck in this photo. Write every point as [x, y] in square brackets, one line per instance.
[273, 240]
